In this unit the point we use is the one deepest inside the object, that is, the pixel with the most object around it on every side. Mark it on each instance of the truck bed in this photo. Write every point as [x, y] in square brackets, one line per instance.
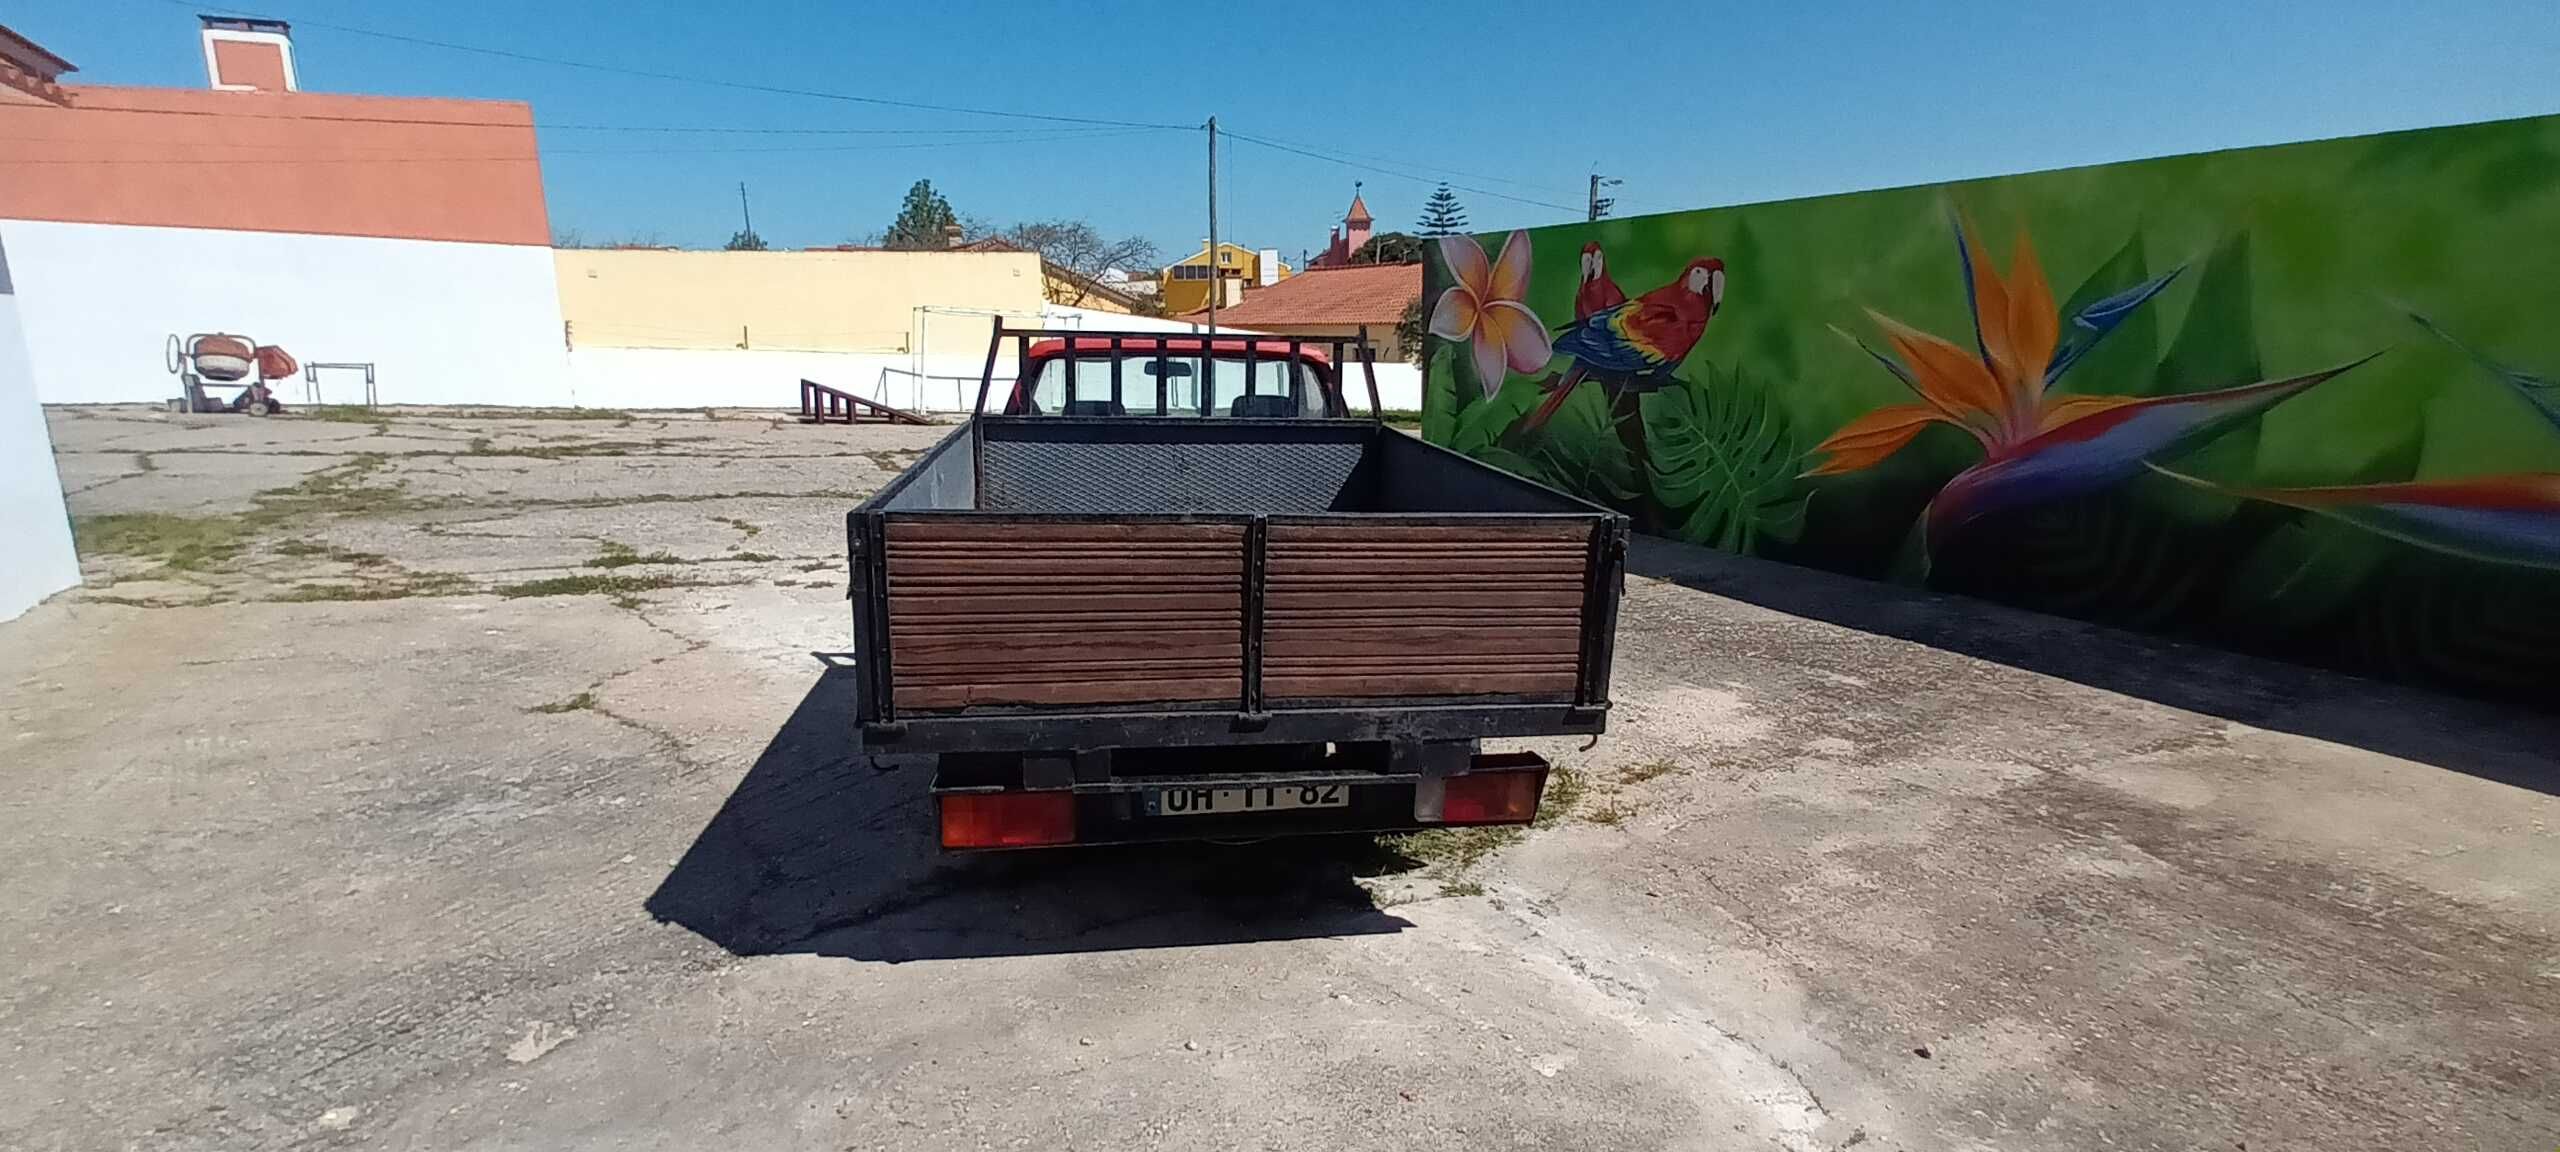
[1045, 582]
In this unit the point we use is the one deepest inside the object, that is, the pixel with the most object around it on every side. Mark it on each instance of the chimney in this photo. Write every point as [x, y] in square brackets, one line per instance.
[950, 235]
[242, 55]
[1268, 267]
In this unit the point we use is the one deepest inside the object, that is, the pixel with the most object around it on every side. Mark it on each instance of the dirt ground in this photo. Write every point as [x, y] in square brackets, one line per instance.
[448, 780]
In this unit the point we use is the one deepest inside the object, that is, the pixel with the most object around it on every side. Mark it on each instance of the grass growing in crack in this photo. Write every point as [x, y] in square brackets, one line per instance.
[817, 566]
[754, 557]
[745, 527]
[399, 587]
[1610, 813]
[344, 414]
[582, 702]
[612, 584]
[144, 462]
[616, 554]
[1565, 788]
[1450, 852]
[179, 543]
[893, 460]
[541, 414]
[1649, 770]
[338, 490]
[1462, 888]
[481, 447]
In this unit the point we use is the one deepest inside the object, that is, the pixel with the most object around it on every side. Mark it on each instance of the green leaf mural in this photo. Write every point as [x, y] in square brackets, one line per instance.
[1724, 462]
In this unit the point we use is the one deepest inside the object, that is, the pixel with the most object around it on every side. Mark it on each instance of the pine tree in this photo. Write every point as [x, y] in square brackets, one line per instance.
[1442, 215]
[922, 219]
[746, 241]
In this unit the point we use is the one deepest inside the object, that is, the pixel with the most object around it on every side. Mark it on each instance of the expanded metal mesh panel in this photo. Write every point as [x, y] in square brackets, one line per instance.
[1036, 476]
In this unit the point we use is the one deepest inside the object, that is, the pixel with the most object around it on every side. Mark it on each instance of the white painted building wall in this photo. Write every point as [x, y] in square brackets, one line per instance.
[442, 322]
[940, 375]
[37, 560]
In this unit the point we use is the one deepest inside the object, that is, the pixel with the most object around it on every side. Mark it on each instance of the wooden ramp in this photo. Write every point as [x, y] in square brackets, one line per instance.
[820, 404]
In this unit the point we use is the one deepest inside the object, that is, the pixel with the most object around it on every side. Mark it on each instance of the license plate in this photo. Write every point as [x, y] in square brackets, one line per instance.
[1255, 798]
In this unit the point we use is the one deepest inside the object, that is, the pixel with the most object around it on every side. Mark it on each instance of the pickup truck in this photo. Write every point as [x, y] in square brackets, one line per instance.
[1173, 588]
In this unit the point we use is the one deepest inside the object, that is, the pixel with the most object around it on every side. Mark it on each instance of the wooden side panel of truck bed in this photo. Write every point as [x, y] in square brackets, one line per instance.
[1386, 610]
[1072, 612]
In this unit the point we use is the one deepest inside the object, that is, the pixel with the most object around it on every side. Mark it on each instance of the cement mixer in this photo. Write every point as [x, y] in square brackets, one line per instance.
[221, 359]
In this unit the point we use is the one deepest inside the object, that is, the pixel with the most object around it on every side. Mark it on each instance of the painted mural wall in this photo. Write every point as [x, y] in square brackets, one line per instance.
[2302, 400]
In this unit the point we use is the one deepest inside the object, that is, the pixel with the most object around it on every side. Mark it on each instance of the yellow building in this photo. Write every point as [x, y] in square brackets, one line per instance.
[821, 301]
[1185, 283]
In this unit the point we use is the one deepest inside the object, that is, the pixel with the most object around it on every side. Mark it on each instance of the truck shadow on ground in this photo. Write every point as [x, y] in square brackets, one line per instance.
[2504, 743]
[817, 852]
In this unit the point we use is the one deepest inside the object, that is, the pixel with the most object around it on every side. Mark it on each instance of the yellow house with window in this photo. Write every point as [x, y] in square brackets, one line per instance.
[1185, 284]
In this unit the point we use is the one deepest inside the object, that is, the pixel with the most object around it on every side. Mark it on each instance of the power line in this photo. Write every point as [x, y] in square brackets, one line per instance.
[711, 81]
[1331, 152]
[407, 157]
[234, 116]
[1401, 175]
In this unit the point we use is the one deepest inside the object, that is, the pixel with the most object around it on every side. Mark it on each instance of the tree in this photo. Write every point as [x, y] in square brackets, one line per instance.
[1442, 215]
[1410, 330]
[1080, 255]
[1389, 248]
[746, 241]
[922, 219]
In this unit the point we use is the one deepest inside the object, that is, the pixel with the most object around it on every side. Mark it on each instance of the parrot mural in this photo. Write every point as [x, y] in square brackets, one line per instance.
[1596, 291]
[1627, 343]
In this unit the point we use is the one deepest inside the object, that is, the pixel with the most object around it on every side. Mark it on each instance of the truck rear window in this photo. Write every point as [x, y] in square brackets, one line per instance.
[1177, 385]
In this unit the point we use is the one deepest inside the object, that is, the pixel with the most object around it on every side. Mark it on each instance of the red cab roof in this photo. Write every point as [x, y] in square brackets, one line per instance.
[1261, 347]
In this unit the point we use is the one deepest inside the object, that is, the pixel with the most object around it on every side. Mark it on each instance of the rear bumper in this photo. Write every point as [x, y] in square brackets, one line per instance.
[985, 731]
[1115, 811]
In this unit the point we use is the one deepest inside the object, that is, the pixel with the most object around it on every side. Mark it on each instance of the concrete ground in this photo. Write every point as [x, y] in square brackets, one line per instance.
[462, 782]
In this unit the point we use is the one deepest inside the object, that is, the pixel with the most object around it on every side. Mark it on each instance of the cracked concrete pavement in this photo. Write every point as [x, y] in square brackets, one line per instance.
[448, 780]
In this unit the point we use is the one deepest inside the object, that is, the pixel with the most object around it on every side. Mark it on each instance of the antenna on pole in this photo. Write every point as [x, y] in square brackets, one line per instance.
[1217, 284]
[1600, 204]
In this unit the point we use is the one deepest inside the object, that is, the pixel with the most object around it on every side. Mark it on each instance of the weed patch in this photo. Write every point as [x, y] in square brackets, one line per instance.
[615, 554]
[542, 414]
[582, 702]
[179, 543]
[399, 587]
[607, 584]
[344, 416]
[1649, 770]
[1565, 788]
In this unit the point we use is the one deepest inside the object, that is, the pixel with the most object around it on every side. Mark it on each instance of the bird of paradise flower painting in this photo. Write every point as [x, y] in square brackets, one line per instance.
[2276, 408]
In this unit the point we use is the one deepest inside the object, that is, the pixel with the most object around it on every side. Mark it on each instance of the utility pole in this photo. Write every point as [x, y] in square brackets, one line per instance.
[745, 217]
[1600, 204]
[1217, 285]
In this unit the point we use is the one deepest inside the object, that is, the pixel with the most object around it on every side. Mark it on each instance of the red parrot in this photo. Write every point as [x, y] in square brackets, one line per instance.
[1597, 290]
[1639, 338]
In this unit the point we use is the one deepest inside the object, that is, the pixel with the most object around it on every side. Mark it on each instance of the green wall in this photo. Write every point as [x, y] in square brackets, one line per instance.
[2302, 400]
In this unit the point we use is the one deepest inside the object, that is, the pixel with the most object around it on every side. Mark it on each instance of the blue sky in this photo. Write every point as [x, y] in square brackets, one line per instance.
[1692, 103]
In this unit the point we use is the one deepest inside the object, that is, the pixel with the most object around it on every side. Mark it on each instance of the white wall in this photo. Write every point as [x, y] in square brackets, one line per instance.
[443, 322]
[940, 376]
[38, 560]
[699, 378]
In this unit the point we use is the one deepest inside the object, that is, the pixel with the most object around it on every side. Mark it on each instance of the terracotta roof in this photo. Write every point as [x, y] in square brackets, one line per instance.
[1359, 213]
[30, 55]
[1374, 294]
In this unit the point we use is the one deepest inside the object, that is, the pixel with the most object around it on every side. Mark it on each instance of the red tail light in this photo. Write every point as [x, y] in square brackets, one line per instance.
[1504, 797]
[1008, 819]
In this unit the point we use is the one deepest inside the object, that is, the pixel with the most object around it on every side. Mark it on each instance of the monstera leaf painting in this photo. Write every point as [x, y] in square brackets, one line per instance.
[1577, 451]
[1724, 462]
